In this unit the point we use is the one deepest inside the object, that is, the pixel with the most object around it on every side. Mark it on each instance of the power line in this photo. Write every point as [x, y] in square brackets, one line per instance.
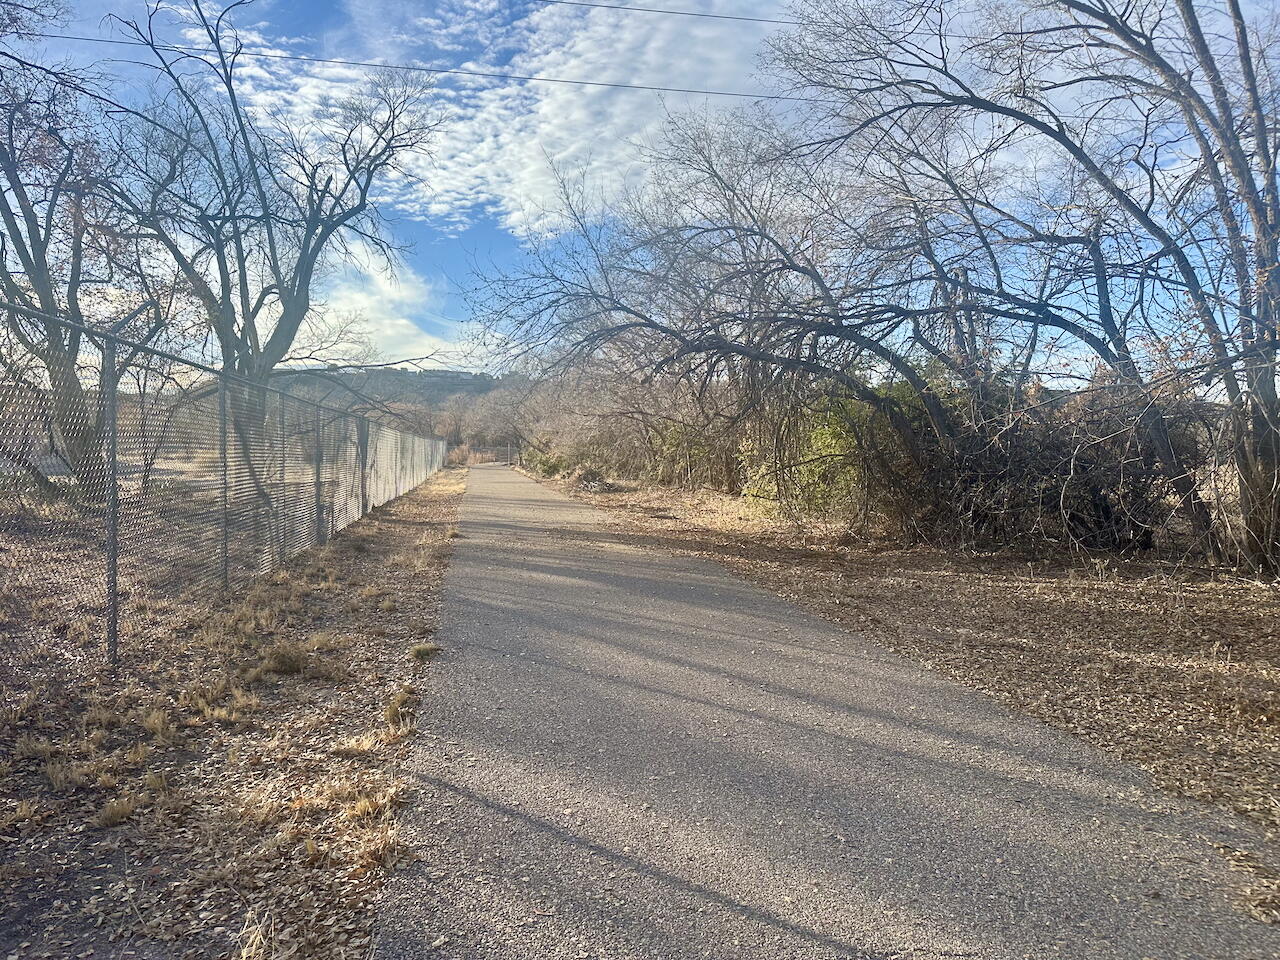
[455, 71]
[950, 34]
[458, 71]
[668, 12]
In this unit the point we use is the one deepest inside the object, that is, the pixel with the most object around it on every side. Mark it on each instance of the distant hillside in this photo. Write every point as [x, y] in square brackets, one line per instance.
[389, 385]
[422, 386]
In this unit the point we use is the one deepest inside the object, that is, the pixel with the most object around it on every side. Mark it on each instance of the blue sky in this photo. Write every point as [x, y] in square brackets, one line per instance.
[490, 179]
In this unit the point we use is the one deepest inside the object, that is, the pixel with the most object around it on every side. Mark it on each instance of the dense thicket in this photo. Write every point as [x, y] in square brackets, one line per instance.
[1009, 269]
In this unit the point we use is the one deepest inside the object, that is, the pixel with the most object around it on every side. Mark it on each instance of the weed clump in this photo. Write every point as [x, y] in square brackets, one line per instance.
[30, 746]
[116, 811]
[358, 745]
[398, 712]
[136, 755]
[64, 776]
[284, 658]
[102, 716]
[156, 722]
[424, 651]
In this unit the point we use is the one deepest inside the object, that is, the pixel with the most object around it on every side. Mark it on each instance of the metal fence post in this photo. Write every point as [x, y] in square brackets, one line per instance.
[362, 451]
[224, 556]
[113, 503]
[282, 513]
[319, 485]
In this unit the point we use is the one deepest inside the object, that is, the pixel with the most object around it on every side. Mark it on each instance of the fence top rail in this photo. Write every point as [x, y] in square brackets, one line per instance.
[223, 376]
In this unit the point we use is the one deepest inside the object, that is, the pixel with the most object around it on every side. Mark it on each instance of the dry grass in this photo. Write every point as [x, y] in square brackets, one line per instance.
[424, 651]
[284, 658]
[1261, 885]
[28, 746]
[117, 810]
[156, 722]
[233, 792]
[399, 709]
[1177, 672]
[18, 813]
[360, 744]
[63, 777]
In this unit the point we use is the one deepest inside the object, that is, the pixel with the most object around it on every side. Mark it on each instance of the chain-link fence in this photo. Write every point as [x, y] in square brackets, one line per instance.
[130, 476]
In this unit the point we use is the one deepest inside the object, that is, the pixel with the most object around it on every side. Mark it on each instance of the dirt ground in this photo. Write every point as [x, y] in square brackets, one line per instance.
[1179, 674]
[232, 791]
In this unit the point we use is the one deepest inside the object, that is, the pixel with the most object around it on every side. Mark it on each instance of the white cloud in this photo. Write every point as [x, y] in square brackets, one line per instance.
[495, 158]
[386, 304]
[497, 154]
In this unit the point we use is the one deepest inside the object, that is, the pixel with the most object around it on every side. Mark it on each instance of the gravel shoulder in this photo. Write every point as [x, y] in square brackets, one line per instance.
[630, 754]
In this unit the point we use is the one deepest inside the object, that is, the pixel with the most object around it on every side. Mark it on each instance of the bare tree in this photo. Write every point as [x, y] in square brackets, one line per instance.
[21, 17]
[741, 262]
[1105, 97]
[61, 259]
[763, 273]
[1038, 242]
[253, 202]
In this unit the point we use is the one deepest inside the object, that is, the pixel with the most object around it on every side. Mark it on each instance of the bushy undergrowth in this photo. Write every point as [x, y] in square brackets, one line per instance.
[1057, 470]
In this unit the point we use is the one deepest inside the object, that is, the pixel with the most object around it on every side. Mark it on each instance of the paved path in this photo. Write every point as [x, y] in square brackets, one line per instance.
[634, 755]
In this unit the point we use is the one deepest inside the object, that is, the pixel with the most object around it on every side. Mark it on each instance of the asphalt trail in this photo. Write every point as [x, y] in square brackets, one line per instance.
[628, 754]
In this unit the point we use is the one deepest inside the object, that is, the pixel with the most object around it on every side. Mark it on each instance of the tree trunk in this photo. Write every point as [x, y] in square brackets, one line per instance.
[1257, 458]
